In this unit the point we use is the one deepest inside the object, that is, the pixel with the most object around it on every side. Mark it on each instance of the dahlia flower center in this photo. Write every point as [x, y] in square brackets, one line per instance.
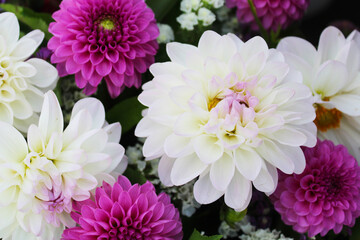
[108, 23]
[327, 118]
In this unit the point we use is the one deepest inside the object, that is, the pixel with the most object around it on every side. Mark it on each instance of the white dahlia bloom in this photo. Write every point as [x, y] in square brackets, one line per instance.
[23, 81]
[228, 111]
[40, 178]
[332, 72]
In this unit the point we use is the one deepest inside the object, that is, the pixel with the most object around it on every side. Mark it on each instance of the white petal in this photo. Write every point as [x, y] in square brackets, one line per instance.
[309, 130]
[154, 144]
[97, 163]
[301, 65]
[289, 136]
[297, 157]
[331, 41]
[35, 97]
[187, 125]
[77, 126]
[331, 77]
[34, 139]
[208, 42]
[116, 153]
[267, 179]
[9, 29]
[184, 54]
[27, 45]
[23, 124]
[221, 172]
[51, 118]
[94, 107]
[186, 168]
[347, 103]
[298, 47]
[6, 114]
[272, 153]
[164, 169]
[177, 146]
[238, 193]
[13, 147]
[21, 108]
[46, 74]
[114, 132]
[54, 146]
[248, 163]
[208, 148]
[252, 47]
[146, 127]
[204, 191]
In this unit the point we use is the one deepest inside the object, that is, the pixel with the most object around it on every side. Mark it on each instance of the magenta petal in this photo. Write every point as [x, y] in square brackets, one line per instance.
[103, 68]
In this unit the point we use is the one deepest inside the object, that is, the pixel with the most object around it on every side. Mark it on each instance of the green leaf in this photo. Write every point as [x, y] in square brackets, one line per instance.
[161, 7]
[134, 175]
[127, 112]
[197, 236]
[32, 19]
[230, 216]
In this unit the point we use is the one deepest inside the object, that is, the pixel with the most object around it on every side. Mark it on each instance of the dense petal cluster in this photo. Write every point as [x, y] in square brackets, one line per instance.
[272, 13]
[113, 40]
[332, 72]
[125, 211]
[228, 111]
[325, 196]
[23, 81]
[39, 178]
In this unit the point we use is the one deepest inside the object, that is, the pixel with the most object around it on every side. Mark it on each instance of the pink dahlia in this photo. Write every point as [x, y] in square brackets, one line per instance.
[110, 39]
[326, 196]
[272, 13]
[125, 211]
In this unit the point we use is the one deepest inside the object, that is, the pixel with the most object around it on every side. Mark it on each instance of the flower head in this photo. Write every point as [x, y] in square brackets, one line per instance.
[228, 111]
[325, 196]
[166, 33]
[41, 177]
[23, 81]
[272, 13]
[332, 72]
[125, 211]
[113, 40]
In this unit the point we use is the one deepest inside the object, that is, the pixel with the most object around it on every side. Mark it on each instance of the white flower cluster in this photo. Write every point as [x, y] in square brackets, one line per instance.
[261, 234]
[166, 33]
[198, 11]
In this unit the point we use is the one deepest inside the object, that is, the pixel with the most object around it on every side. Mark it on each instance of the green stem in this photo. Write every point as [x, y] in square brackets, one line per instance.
[263, 32]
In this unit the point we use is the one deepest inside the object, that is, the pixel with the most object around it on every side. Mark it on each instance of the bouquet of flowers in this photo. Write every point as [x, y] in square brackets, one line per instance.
[178, 119]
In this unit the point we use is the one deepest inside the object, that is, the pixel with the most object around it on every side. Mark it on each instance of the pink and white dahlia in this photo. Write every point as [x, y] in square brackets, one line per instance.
[125, 211]
[325, 196]
[23, 81]
[41, 177]
[228, 112]
[272, 13]
[113, 40]
[332, 72]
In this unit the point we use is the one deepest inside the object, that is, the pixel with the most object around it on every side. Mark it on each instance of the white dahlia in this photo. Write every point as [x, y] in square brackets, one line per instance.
[332, 72]
[23, 81]
[40, 178]
[228, 111]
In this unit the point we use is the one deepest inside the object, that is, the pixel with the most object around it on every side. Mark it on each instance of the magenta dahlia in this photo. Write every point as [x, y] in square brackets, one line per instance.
[272, 13]
[326, 196]
[125, 211]
[113, 40]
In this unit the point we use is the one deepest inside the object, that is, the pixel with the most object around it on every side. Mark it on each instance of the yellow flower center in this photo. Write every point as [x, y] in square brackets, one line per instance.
[107, 24]
[327, 118]
[212, 103]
